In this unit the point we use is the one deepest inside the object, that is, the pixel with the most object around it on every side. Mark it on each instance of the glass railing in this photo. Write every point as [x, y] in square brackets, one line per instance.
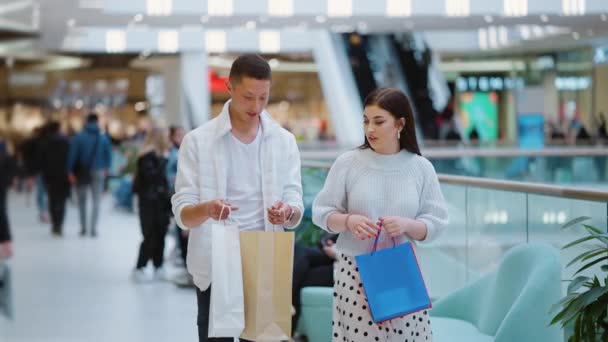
[580, 166]
[487, 218]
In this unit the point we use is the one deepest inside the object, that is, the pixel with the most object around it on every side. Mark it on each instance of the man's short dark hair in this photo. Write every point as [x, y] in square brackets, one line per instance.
[92, 118]
[250, 65]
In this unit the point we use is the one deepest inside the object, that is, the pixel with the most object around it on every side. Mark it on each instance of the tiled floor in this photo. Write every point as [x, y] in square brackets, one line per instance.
[79, 289]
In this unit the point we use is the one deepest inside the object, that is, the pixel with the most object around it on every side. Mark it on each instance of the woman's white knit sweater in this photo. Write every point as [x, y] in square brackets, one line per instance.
[367, 183]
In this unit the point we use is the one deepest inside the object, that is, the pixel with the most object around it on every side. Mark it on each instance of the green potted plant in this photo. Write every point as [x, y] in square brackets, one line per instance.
[583, 311]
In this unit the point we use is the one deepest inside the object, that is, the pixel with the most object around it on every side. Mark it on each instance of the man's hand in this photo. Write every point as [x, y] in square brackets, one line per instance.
[213, 209]
[279, 212]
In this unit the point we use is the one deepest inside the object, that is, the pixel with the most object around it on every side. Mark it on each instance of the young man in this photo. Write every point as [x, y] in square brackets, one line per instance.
[91, 150]
[243, 161]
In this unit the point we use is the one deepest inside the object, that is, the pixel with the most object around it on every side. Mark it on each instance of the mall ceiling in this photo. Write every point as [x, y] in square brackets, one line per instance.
[49, 22]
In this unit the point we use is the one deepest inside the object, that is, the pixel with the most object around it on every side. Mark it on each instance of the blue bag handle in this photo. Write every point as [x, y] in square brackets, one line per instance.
[376, 241]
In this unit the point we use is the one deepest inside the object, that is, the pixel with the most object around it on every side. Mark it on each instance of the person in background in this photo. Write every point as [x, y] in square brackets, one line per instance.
[53, 156]
[29, 150]
[176, 135]
[7, 171]
[91, 154]
[312, 267]
[385, 189]
[154, 198]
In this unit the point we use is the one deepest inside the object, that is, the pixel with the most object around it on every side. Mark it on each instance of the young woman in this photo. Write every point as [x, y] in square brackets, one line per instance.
[384, 186]
[153, 193]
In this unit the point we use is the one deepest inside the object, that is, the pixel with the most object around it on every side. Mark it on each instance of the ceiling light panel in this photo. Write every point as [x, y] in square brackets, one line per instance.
[220, 8]
[215, 41]
[116, 41]
[574, 7]
[339, 8]
[457, 8]
[280, 8]
[159, 7]
[168, 41]
[270, 41]
[398, 8]
[515, 8]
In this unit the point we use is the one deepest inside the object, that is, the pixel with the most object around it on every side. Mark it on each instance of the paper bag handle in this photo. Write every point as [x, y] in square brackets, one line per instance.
[376, 241]
[232, 219]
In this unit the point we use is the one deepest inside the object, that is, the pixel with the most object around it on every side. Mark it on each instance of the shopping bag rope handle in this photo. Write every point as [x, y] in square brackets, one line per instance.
[229, 216]
[376, 240]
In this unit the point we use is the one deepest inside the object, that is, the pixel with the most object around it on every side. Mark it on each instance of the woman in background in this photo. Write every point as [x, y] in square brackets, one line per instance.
[153, 193]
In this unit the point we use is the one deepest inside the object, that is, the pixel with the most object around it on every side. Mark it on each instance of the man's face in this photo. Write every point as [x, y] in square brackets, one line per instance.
[249, 97]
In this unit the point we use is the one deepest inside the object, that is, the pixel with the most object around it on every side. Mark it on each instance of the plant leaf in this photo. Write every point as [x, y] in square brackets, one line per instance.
[575, 221]
[576, 242]
[591, 264]
[587, 255]
[592, 229]
[577, 283]
[563, 302]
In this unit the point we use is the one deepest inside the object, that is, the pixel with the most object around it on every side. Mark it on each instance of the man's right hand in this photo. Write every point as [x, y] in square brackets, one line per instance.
[213, 209]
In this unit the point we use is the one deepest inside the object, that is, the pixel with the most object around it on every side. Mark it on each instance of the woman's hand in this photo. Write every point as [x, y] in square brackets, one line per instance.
[395, 226]
[362, 227]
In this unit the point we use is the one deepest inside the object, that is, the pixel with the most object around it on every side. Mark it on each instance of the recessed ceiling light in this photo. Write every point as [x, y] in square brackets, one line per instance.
[544, 18]
[274, 63]
[204, 19]
[362, 26]
[576, 35]
[320, 19]
[250, 25]
[71, 22]
[488, 18]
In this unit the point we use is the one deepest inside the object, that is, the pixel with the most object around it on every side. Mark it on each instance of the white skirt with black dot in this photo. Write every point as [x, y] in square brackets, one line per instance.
[352, 321]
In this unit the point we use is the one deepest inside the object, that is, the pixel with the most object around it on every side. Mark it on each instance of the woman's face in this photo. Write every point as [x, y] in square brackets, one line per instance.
[381, 129]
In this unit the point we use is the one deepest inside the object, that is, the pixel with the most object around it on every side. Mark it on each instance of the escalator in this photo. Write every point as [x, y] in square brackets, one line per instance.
[400, 61]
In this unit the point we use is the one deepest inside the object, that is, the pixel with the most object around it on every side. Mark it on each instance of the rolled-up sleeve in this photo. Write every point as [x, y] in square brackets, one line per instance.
[332, 198]
[186, 181]
[292, 192]
[432, 207]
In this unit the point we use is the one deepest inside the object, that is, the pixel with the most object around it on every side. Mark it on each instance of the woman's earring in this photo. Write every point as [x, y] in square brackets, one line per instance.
[398, 135]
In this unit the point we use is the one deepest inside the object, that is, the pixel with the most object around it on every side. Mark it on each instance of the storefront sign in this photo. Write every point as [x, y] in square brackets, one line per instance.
[487, 83]
[572, 83]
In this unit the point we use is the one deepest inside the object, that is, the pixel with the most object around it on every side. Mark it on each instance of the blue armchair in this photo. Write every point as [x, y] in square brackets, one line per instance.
[510, 304]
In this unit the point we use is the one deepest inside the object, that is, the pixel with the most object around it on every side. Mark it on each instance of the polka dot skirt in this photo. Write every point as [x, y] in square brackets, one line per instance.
[352, 321]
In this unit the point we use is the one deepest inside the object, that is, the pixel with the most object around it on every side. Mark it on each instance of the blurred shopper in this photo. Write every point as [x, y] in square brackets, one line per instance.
[222, 161]
[384, 187]
[53, 156]
[312, 267]
[7, 171]
[176, 135]
[154, 198]
[29, 151]
[89, 160]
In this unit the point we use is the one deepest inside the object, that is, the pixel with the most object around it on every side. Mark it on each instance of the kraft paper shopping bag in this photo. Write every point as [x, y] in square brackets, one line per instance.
[267, 259]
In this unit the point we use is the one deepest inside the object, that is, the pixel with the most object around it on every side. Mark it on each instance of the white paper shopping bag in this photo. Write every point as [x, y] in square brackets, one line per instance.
[227, 309]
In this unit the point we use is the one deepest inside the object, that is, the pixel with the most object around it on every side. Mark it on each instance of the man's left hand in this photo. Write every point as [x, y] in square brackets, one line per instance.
[279, 212]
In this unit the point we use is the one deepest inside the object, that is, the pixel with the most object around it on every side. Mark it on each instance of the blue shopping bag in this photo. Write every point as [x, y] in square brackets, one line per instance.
[392, 282]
